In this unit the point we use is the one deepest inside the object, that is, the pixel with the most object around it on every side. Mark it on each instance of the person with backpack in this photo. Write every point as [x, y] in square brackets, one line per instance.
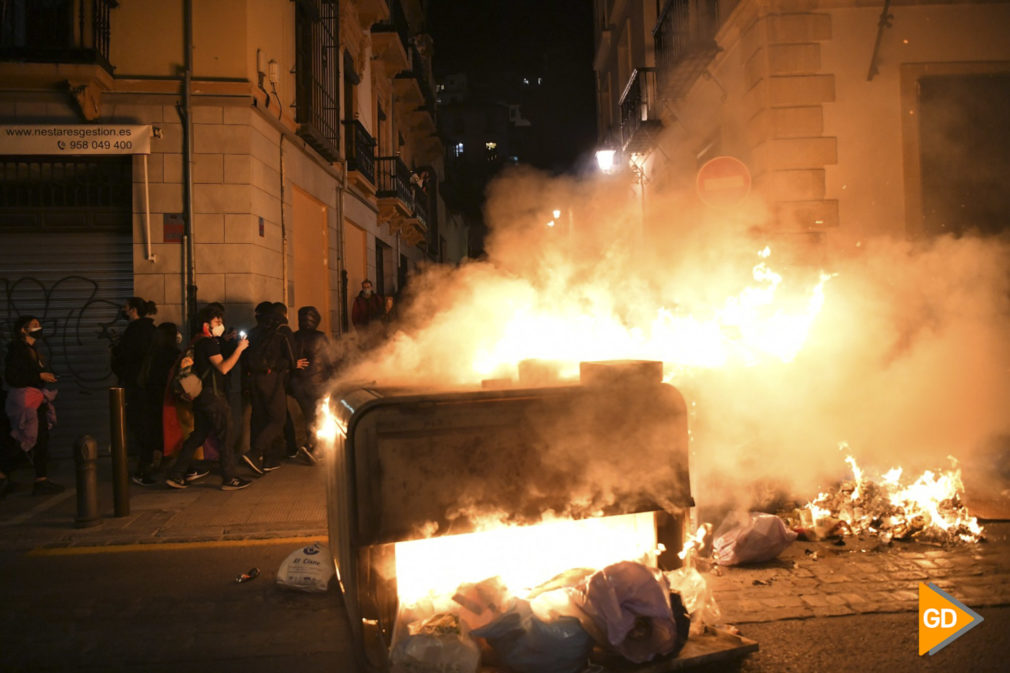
[266, 364]
[211, 410]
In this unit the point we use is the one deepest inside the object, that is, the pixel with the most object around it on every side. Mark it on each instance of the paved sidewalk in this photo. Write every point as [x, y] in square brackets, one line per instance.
[823, 579]
[289, 502]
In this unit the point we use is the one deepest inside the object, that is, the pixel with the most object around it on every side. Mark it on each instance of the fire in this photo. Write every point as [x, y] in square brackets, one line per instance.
[752, 326]
[522, 556]
[927, 508]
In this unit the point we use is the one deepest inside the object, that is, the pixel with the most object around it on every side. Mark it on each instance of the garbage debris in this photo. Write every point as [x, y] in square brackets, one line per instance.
[248, 575]
[524, 643]
[437, 644]
[482, 602]
[628, 610]
[751, 538]
[307, 569]
[928, 509]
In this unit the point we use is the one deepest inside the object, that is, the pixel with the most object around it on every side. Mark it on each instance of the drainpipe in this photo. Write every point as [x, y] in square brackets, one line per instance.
[189, 297]
[341, 326]
[284, 231]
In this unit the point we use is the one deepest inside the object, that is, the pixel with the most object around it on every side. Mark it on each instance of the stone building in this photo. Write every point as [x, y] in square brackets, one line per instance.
[853, 118]
[285, 150]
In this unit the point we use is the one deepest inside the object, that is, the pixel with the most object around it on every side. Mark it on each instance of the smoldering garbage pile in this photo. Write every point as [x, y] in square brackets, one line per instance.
[928, 509]
[627, 611]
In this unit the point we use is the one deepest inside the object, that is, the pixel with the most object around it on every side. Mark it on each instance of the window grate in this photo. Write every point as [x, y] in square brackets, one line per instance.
[66, 182]
[317, 75]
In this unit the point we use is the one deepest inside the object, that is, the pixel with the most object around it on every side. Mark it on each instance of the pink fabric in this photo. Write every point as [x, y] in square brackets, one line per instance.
[22, 410]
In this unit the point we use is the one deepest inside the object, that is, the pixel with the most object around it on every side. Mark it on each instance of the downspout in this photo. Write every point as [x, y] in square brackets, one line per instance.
[284, 231]
[189, 294]
[340, 325]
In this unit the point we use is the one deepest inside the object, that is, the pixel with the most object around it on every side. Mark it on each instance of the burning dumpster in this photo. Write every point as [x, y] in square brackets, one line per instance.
[436, 496]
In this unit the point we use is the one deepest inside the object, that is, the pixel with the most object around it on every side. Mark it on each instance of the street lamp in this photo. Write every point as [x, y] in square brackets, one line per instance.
[605, 159]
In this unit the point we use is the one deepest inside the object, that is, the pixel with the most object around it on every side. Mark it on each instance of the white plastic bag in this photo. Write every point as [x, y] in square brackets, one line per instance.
[751, 539]
[307, 569]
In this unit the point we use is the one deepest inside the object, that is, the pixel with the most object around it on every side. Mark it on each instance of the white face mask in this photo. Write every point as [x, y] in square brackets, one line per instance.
[217, 330]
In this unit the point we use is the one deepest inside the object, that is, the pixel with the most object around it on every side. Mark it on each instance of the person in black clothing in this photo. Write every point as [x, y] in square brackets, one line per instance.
[266, 365]
[127, 360]
[153, 378]
[211, 411]
[27, 376]
[309, 382]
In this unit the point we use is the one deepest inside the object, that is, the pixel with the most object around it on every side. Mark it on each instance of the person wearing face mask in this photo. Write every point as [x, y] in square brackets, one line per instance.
[29, 404]
[308, 382]
[128, 359]
[211, 410]
[367, 306]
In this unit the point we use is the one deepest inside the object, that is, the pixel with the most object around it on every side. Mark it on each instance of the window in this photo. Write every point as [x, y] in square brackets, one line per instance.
[316, 75]
[457, 150]
[63, 31]
[491, 148]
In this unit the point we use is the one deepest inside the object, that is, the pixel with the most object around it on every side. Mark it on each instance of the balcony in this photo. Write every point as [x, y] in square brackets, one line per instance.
[360, 154]
[640, 124]
[396, 201]
[414, 85]
[58, 31]
[685, 43]
[391, 40]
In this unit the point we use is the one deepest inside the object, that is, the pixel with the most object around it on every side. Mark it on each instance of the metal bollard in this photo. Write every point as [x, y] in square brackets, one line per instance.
[120, 469]
[86, 462]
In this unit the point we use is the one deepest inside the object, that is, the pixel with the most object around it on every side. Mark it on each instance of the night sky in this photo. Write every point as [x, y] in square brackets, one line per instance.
[499, 42]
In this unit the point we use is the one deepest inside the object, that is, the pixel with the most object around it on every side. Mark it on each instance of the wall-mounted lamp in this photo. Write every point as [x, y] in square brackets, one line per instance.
[605, 159]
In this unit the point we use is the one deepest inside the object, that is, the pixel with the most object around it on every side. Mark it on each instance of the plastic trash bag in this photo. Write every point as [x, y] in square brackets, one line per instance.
[628, 605]
[307, 569]
[696, 597]
[435, 645]
[751, 538]
[524, 643]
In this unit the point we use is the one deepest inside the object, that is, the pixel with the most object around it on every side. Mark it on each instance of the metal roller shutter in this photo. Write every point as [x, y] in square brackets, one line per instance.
[66, 257]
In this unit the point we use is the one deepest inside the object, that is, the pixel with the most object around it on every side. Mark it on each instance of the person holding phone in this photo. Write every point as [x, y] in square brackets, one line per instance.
[29, 404]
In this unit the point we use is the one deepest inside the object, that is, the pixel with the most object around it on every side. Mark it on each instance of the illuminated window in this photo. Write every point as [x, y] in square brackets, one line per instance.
[457, 150]
[492, 150]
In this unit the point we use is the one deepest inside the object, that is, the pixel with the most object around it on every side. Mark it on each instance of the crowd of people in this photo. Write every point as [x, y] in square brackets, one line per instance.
[175, 430]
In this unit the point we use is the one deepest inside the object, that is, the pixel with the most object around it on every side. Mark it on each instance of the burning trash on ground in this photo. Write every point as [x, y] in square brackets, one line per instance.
[928, 509]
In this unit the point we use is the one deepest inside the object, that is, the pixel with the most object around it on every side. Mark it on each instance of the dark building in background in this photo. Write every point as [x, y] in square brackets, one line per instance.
[515, 88]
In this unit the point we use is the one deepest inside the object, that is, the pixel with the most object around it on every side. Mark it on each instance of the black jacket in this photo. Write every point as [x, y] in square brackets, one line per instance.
[129, 353]
[315, 346]
[23, 366]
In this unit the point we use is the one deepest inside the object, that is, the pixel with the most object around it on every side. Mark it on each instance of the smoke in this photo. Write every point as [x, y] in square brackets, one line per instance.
[906, 360]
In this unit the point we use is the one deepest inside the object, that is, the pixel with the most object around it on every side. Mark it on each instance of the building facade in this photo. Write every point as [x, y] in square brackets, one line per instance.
[853, 118]
[292, 153]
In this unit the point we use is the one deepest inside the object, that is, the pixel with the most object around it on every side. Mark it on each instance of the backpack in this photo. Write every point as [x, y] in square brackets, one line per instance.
[262, 354]
[185, 384]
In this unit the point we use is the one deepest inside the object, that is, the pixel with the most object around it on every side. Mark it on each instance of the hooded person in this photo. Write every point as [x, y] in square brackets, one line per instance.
[128, 358]
[265, 367]
[308, 382]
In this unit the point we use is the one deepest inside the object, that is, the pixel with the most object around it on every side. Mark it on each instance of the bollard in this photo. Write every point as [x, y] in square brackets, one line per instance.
[120, 469]
[86, 462]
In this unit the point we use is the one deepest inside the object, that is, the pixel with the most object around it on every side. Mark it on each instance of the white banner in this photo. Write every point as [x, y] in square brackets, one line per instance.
[75, 139]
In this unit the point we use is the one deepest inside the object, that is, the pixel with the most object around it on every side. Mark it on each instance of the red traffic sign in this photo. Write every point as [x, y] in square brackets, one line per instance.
[723, 181]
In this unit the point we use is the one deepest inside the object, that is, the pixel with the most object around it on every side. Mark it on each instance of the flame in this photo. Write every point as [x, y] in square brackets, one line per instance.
[928, 507]
[522, 556]
[750, 327]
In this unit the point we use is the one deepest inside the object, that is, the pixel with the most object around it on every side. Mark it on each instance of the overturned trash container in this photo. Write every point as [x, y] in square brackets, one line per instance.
[430, 489]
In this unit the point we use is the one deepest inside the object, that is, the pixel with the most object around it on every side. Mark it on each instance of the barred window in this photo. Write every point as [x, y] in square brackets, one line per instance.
[317, 75]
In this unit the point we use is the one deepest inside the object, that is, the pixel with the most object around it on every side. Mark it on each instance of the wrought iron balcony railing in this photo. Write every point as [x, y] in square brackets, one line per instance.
[685, 43]
[397, 23]
[393, 180]
[360, 150]
[316, 92]
[57, 31]
[420, 205]
[640, 122]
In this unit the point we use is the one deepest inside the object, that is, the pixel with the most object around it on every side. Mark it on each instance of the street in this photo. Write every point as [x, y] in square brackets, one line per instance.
[177, 608]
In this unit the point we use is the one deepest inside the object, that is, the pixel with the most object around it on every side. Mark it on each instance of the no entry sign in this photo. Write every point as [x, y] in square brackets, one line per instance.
[723, 181]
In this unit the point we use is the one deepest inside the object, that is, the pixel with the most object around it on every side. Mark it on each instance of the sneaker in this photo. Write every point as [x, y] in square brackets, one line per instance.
[46, 487]
[143, 479]
[270, 466]
[196, 473]
[252, 463]
[235, 484]
[176, 482]
[307, 453]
